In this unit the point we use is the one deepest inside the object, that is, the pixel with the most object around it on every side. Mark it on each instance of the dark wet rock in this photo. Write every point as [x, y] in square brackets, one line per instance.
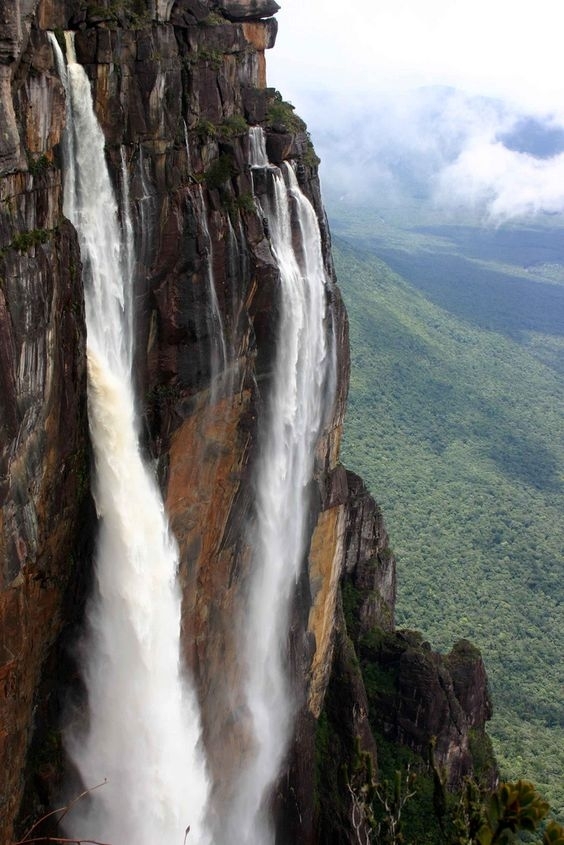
[239, 10]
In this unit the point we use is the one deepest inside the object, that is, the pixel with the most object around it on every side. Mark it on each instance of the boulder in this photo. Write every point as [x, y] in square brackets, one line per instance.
[245, 10]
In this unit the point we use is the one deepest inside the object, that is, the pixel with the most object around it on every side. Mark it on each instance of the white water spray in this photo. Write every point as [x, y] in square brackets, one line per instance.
[143, 732]
[295, 415]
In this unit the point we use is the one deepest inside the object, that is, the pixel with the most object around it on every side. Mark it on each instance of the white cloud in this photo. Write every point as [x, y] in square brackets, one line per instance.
[503, 183]
[438, 145]
[407, 97]
[502, 48]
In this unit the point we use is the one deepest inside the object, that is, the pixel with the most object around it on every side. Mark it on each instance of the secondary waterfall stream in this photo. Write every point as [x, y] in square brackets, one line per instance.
[299, 395]
[218, 345]
[143, 725]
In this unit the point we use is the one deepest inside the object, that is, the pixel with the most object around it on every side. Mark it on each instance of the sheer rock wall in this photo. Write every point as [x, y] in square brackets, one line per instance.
[176, 84]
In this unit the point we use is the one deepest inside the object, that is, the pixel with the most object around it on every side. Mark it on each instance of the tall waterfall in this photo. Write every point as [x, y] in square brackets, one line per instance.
[295, 415]
[143, 726]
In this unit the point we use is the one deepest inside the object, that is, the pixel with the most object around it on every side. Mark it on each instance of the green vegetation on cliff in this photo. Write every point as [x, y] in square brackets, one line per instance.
[456, 425]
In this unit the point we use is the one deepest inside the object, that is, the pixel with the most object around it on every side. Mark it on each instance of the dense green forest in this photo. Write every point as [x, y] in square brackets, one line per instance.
[455, 420]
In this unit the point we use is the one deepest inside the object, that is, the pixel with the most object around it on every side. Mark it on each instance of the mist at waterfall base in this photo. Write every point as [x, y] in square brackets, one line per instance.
[143, 729]
[301, 392]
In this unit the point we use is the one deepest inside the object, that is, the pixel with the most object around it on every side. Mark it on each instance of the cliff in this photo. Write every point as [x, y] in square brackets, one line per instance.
[176, 86]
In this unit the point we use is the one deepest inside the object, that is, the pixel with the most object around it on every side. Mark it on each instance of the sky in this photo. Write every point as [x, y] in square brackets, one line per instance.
[447, 97]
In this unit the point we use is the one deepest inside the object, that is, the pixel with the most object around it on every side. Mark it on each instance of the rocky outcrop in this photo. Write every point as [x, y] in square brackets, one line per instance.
[238, 10]
[343, 733]
[370, 569]
[416, 700]
[176, 86]
[466, 667]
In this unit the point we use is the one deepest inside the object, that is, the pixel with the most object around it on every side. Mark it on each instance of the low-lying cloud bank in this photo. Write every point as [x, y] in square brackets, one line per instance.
[502, 183]
[439, 146]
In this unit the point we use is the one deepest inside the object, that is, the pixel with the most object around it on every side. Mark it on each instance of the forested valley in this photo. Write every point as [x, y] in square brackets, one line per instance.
[455, 420]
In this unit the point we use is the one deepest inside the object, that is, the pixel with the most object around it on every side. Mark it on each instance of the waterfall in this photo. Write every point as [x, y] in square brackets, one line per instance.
[239, 268]
[147, 208]
[257, 148]
[143, 731]
[218, 345]
[128, 257]
[295, 414]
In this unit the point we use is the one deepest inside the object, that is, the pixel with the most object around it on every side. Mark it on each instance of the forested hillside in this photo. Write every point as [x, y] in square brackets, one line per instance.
[455, 420]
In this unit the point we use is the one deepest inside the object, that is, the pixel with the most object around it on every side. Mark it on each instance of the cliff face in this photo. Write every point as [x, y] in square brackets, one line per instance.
[176, 85]
[44, 474]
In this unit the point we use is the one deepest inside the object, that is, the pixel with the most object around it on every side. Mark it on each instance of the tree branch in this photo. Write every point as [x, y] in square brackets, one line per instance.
[27, 839]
